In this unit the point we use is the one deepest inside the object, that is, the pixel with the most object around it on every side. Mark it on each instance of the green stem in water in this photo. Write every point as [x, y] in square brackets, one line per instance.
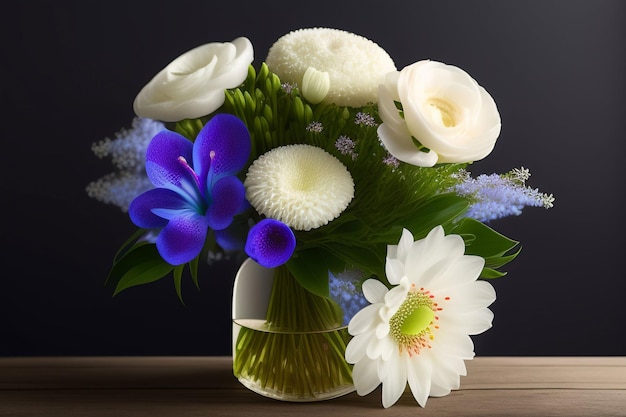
[301, 354]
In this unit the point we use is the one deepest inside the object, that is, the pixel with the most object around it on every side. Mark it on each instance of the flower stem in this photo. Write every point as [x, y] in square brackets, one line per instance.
[300, 354]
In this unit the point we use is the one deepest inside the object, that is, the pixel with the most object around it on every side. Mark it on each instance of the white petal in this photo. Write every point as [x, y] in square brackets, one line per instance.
[443, 382]
[383, 367]
[388, 348]
[382, 330]
[355, 351]
[458, 345]
[374, 348]
[404, 245]
[364, 319]
[394, 382]
[446, 373]
[402, 147]
[472, 323]
[437, 390]
[447, 368]
[467, 298]
[394, 269]
[365, 376]
[395, 297]
[374, 291]
[453, 272]
[433, 252]
[387, 110]
[419, 377]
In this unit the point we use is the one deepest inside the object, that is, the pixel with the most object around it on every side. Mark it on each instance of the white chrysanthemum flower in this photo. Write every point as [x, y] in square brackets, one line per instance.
[303, 186]
[355, 65]
[418, 332]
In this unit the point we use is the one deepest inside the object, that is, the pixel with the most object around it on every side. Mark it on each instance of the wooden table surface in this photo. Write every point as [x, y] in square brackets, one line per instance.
[205, 386]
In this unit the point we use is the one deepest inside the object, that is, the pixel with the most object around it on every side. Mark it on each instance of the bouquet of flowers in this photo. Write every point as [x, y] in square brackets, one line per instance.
[345, 183]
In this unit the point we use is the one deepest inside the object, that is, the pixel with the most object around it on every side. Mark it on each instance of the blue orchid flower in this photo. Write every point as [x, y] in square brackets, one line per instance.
[196, 186]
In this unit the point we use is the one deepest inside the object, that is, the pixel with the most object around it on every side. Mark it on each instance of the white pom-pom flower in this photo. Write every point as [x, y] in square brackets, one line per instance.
[355, 64]
[418, 331]
[303, 186]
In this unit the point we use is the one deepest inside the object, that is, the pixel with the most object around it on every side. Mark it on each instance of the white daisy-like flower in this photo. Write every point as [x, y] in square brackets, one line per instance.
[419, 330]
[303, 186]
[355, 65]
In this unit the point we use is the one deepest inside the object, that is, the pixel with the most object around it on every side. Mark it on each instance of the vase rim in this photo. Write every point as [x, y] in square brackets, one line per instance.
[262, 326]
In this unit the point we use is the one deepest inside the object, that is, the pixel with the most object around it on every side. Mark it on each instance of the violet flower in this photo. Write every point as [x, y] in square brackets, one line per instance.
[270, 243]
[196, 186]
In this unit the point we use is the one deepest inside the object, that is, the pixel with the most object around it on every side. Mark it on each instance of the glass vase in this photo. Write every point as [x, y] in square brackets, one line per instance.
[288, 343]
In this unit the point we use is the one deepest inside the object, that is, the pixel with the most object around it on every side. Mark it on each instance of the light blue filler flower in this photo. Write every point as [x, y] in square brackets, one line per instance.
[499, 195]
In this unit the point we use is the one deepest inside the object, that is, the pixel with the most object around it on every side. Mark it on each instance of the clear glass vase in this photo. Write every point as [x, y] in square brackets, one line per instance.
[288, 344]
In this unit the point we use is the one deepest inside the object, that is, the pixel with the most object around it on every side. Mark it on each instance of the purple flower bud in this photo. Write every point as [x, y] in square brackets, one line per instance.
[270, 243]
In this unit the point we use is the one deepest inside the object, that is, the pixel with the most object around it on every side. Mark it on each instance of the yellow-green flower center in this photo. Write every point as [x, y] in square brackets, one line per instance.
[411, 325]
[417, 321]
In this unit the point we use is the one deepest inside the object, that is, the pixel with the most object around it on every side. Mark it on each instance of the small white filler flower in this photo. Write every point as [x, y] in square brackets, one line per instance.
[418, 331]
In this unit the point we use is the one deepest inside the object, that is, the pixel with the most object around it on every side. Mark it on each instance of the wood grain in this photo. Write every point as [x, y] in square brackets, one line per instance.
[205, 386]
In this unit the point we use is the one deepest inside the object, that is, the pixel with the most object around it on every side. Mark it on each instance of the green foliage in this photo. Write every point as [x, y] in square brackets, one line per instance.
[481, 240]
[389, 195]
[138, 262]
[141, 264]
[274, 117]
[189, 128]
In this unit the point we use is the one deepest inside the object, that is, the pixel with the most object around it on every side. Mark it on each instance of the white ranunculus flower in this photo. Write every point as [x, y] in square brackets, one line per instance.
[418, 332]
[193, 84]
[443, 108]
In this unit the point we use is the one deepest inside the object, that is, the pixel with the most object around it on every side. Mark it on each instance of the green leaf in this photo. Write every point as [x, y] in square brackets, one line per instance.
[193, 269]
[128, 244]
[368, 258]
[142, 264]
[488, 273]
[439, 210]
[178, 278]
[126, 258]
[482, 240]
[310, 268]
[498, 261]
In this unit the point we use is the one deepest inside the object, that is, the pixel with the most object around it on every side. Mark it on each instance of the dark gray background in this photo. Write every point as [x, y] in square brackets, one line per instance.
[70, 71]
